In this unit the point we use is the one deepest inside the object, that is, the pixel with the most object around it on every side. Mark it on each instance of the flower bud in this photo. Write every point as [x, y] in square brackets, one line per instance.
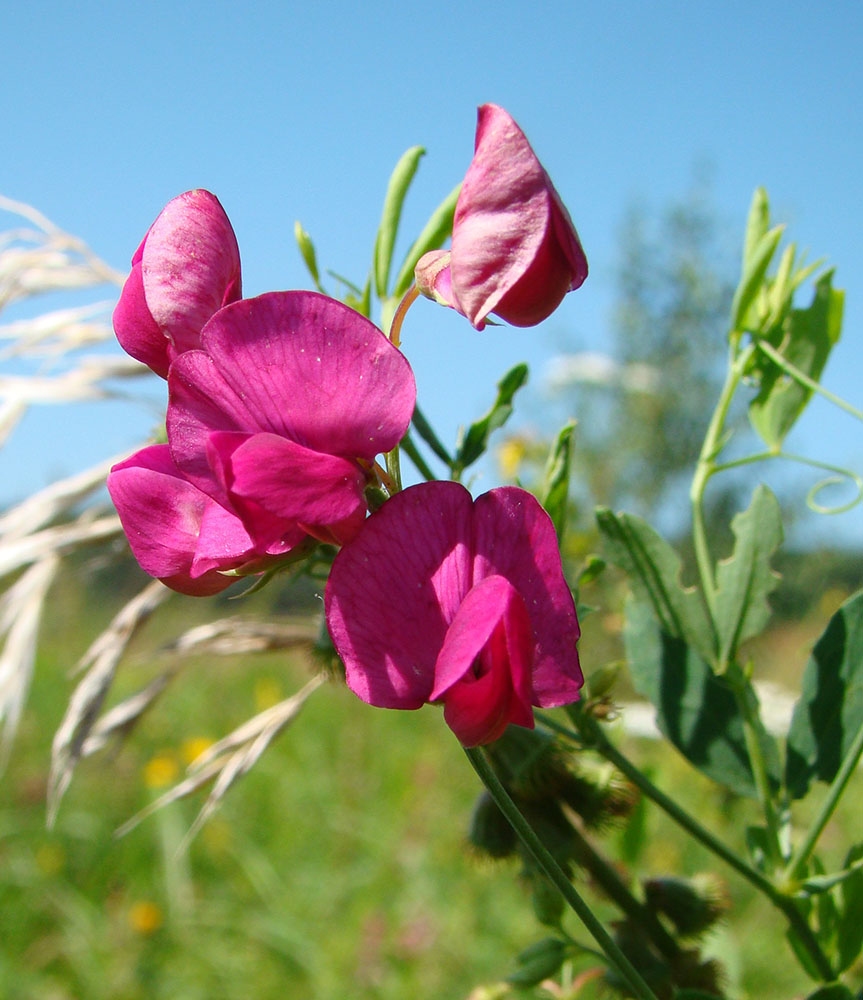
[490, 831]
[692, 905]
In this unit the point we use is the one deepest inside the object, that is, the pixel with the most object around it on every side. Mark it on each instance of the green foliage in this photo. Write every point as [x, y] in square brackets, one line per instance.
[653, 568]
[307, 251]
[828, 715]
[808, 336]
[553, 494]
[744, 581]
[695, 710]
[433, 235]
[539, 961]
[397, 188]
[475, 441]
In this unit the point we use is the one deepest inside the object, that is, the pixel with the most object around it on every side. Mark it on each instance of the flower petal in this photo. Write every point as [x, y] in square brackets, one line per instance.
[162, 513]
[394, 590]
[288, 480]
[530, 559]
[137, 331]
[324, 376]
[483, 672]
[190, 267]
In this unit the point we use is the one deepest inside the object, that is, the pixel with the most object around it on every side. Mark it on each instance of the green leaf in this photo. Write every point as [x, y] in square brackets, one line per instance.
[849, 932]
[752, 279]
[695, 995]
[829, 712]
[539, 961]
[433, 236]
[822, 883]
[475, 441]
[809, 335]
[555, 486]
[757, 224]
[653, 568]
[744, 581]
[694, 709]
[385, 240]
[427, 433]
[307, 250]
[836, 991]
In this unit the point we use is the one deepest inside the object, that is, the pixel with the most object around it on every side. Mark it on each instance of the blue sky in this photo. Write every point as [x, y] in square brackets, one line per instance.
[290, 111]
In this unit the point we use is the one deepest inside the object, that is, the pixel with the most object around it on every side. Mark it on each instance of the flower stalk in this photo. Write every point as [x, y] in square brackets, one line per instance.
[555, 874]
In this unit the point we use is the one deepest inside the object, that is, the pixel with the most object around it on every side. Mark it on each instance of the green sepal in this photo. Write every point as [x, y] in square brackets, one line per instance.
[695, 709]
[744, 581]
[307, 251]
[554, 493]
[385, 240]
[475, 442]
[829, 712]
[432, 237]
[539, 961]
[653, 568]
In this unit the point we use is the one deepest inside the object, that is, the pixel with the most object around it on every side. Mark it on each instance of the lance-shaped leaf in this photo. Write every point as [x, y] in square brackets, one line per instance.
[809, 336]
[653, 568]
[743, 312]
[397, 188]
[555, 486]
[475, 441]
[829, 712]
[745, 580]
[433, 236]
[757, 224]
[694, 709]
[307, 251]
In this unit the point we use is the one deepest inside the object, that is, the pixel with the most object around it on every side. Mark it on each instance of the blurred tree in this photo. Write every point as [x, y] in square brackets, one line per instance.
[650, 399]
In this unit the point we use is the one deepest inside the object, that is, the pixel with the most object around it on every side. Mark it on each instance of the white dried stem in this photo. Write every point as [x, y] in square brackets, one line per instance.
[236, 636]
[227, 764]
[21, 609]
[100, 661]
[19, 552]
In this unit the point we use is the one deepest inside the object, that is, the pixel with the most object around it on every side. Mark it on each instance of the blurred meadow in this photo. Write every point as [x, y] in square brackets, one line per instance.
[338, 867]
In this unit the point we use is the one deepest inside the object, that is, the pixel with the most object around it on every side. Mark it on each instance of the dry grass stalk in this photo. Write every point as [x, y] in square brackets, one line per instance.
[100, 661]
[237, 636]
[20, 613]
[228, 760]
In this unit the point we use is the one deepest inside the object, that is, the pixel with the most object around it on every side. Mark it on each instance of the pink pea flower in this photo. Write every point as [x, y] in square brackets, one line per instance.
[280, 414]
[515, 251]
[179, 534]
[186, 268]
[441, 598]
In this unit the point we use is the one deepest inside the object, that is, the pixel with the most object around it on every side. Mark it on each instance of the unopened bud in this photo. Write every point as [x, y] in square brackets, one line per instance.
[692, 905]
[490, 831]
[539, 961]
[432, 276]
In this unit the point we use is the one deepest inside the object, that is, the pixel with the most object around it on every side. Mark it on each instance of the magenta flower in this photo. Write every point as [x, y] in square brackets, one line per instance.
[279, 416]
[186, 268]
[444, 599]
[515, 251]
[179, 534]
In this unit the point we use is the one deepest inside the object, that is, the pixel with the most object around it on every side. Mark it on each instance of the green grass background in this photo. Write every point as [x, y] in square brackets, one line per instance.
[337, 868]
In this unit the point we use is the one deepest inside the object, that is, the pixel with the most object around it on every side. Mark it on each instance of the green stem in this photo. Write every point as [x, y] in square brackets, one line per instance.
[426, 432]
[801, 855]
[413, 454]
[805, 380]
[706, 467]
[395, 330]
[590, 735]
[555, 874]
